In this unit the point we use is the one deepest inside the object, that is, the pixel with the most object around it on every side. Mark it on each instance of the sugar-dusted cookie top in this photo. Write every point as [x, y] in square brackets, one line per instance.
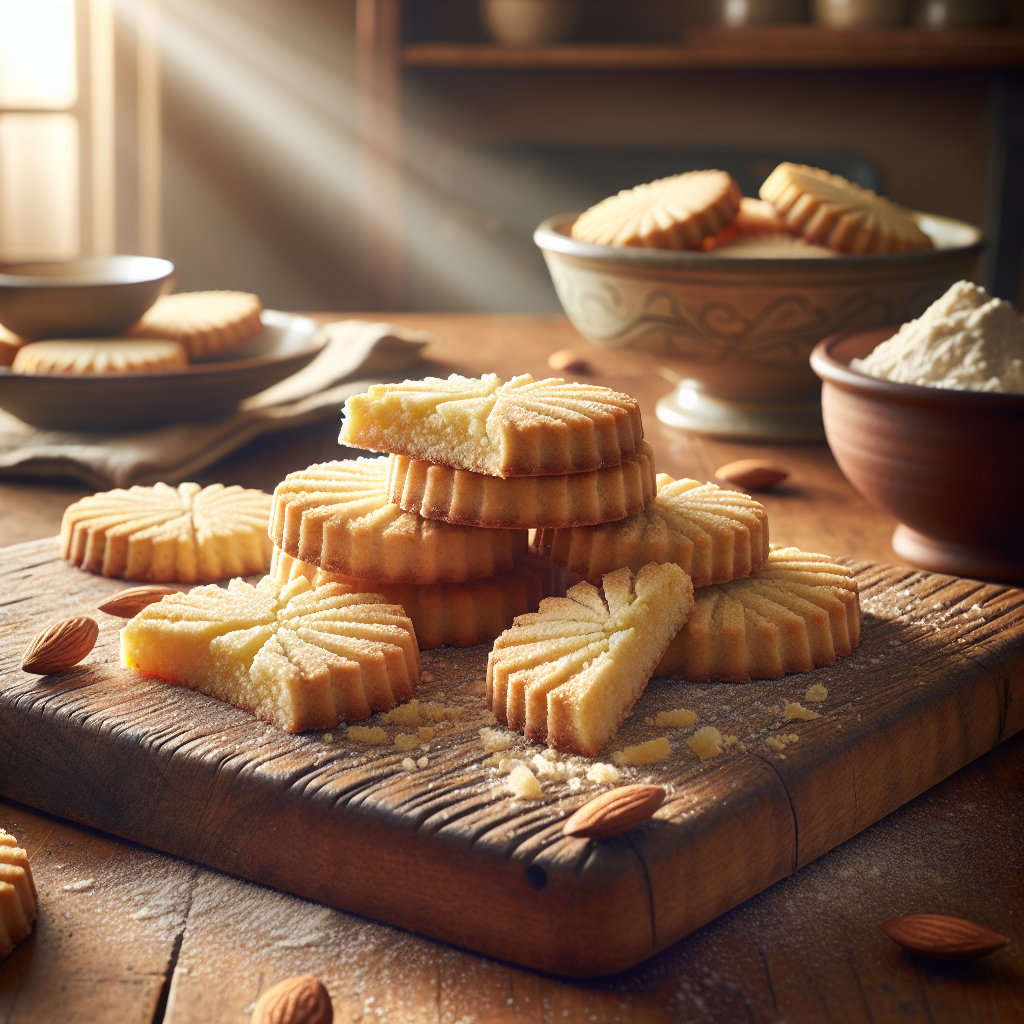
[17, 894]
[521, 427]
[671, 213]
[336, 515]
[829, 210]
[796, 612]
[299, 656]
[99, 356]
[569, 673]
[206, 323]
[714, 534]
[163, 534]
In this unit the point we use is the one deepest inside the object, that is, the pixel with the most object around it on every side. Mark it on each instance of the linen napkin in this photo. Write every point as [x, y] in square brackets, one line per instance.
[356, 355]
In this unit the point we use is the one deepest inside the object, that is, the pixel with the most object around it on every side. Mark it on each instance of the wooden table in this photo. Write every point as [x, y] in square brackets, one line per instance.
[126, 934]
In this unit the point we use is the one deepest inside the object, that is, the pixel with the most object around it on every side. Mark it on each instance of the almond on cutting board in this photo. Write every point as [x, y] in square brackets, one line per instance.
[943, 937]
[63, 645]
[614, 812]
[751, 474]
[295, 1001]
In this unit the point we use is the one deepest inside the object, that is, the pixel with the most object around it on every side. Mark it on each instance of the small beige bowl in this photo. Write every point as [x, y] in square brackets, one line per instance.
[93, 297]
[949, 465]
[738, 331]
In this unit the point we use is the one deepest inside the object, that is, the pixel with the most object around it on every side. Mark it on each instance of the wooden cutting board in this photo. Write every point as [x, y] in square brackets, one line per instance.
[445, 850]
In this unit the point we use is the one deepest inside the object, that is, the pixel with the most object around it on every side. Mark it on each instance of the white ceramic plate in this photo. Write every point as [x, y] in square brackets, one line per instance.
[205, 391]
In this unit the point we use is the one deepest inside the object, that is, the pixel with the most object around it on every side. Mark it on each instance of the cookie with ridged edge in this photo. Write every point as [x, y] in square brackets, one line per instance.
[520, 427]
[18, 908]
[678, 212]
[99, 357]
[336, 515]
[164, 534]
[569, 673]
[206, 323]
[298, 656]
[829, 210]
[798, 611]
[525, 502]
[715, 534]
[449, 614]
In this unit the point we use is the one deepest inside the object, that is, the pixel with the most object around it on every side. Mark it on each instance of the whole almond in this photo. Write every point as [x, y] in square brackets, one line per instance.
[294, 1001]
[61, 646]
[751, 474]
[567, 361]
[128, 603]
[945, 938]
[614, 812]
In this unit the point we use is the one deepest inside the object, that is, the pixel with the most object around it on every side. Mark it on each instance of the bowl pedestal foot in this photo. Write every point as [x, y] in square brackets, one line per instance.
[958, 559]
[690, 409]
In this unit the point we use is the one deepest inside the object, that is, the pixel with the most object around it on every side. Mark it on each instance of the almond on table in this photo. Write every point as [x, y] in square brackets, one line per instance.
[301, 657]
[678, 212]
[715, 535]
[569, 673]
[163, 534]
[798, 611]
[336, 516]
[520, 427]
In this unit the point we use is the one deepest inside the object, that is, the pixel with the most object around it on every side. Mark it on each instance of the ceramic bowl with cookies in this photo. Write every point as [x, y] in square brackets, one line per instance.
[733, 292]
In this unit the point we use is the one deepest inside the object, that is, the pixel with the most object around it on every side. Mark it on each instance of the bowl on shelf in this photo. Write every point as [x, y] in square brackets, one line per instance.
[949, 465]
[738, 332]
[529, 22]
[91, 297]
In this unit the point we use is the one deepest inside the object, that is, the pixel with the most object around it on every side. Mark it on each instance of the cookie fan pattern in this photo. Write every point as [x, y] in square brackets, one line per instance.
[799, 611]
[299, 656]
[569, 673]
[163, 534]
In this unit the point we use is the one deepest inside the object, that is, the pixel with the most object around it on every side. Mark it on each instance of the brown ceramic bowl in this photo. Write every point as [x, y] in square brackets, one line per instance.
[94, 297]
[949, 465]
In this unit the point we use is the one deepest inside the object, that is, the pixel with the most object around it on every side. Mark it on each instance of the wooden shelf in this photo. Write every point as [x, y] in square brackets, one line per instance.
[784, 46]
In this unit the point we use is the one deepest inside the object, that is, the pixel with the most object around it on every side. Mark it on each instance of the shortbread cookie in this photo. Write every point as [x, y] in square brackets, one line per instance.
[714, 534]
[336, 515]
[827, 209]
[300, 657]
[162, 534]
[569, 673]
[754, 217]
[17, 894]
[772, 247]
[9, 345]
[671, 213]
[798, 611]
[525, 502]
[448, 614]
[99, 356]
[206, 323]
[523, 427]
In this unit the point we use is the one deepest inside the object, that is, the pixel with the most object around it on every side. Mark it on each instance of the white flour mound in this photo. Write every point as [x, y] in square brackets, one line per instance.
[964, 341]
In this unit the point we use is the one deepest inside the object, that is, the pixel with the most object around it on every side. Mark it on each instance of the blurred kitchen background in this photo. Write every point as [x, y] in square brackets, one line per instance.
[369, 154]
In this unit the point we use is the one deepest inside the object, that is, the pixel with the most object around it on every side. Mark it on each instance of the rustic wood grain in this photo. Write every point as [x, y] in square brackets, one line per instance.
[446, 851]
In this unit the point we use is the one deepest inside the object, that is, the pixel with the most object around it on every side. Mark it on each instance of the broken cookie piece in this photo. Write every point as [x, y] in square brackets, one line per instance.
[300, 657]
[569, 673]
